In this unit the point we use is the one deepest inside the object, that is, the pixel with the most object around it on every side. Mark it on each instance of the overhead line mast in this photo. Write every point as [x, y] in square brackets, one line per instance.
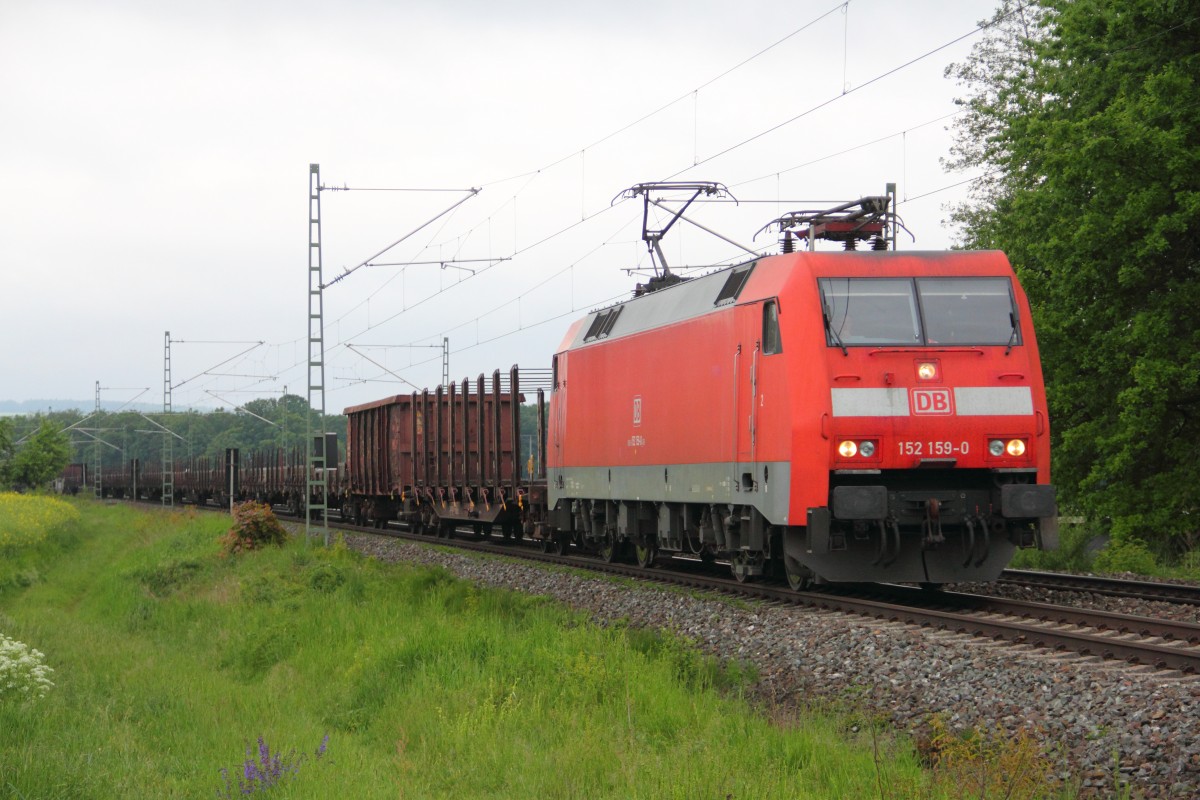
[317, 484]
[168, 453]
[96, 460]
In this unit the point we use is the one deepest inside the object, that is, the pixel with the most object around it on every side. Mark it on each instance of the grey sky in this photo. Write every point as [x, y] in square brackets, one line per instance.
[156, 165]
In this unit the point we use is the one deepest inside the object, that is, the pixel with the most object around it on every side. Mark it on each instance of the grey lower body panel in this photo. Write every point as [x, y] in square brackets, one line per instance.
[764, 485]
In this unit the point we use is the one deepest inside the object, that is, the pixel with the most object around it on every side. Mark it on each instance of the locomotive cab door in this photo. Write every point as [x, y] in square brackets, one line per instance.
[759, 381]
[746, 364]
[558, 411]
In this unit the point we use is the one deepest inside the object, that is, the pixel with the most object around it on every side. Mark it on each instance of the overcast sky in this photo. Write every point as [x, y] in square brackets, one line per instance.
[156, 166]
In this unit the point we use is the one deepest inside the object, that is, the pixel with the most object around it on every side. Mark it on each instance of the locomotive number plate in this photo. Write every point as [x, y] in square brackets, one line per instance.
[926, 448]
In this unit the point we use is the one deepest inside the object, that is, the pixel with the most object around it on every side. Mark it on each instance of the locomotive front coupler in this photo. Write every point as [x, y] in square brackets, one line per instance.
[932, 526]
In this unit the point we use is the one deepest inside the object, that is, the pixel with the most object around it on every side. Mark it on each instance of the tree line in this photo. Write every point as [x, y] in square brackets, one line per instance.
[1084, 118]
[35, 449]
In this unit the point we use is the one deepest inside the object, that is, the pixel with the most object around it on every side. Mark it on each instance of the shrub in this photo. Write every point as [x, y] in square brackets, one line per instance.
[166, 577]
[254, 527]
[23, 674]
[1126, 554]
[1078, 544]
[989, 763]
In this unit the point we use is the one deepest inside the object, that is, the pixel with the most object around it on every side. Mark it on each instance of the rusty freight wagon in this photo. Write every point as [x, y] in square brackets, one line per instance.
[450, 457]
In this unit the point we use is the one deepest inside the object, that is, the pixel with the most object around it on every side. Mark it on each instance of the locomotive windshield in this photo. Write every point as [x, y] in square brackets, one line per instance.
[880, 311]
[918, 311]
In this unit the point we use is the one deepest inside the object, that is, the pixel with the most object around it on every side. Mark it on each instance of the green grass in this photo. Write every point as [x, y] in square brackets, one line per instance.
[171, 659]
[32, 528]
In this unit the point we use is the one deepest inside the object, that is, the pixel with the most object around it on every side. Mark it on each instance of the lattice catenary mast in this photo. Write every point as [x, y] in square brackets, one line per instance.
[168, 448]
[317, 485]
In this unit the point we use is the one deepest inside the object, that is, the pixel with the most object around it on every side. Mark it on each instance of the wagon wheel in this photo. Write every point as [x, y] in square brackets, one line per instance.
[555, 544]
[609, 550]
[799, 577]
[646, 554]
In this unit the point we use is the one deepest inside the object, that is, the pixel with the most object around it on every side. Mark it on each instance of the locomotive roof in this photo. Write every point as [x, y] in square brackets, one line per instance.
[763, 278]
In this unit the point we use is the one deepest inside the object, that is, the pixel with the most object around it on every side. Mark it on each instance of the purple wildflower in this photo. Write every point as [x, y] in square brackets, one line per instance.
[266, 770]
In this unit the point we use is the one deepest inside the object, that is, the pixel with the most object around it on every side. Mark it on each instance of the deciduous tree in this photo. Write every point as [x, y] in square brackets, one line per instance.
[42, 458]
[1085, 116]
[5, 451]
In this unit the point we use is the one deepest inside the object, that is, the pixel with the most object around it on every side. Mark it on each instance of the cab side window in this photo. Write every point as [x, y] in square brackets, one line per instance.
[770, 331]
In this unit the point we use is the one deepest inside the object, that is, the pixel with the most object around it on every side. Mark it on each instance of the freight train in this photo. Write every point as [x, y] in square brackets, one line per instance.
[277, 477]
[819, 416]
[822, 416]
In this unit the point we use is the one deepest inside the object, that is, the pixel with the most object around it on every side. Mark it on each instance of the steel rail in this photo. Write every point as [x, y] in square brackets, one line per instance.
[1107, 622]
[1183, 594]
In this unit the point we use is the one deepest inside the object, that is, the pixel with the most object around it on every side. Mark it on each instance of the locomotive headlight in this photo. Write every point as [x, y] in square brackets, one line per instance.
[1015, 447]
[847, 449]
[996, 447]
[927, 370]
[866, 449]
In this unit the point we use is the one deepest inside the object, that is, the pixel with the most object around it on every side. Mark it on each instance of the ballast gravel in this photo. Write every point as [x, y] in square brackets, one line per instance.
[1107, 727]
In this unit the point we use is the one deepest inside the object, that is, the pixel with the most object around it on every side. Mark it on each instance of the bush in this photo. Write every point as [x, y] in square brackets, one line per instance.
[254, 527]
[1126, 554]
[1079, 541]
[989, 763]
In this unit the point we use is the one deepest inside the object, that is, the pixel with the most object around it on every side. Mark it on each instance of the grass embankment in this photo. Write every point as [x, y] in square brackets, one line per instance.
[170, 660]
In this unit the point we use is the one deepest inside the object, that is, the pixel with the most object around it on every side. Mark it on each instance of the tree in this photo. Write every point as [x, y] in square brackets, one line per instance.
[1086, 115]
[42, 458]
[6, 448]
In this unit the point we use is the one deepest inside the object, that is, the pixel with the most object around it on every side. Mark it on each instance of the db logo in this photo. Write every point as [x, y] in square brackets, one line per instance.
[932, 401]
[637, 410]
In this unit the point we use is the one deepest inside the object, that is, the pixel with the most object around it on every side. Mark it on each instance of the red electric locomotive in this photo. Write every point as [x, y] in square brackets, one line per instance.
[842, 416]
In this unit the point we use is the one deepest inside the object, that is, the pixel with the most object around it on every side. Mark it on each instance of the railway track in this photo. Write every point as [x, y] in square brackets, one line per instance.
[1114, 587]
[1162, 644]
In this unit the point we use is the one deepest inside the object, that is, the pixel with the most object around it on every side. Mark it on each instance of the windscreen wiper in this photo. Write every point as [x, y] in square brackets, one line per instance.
[832, 333]
[1012, 320]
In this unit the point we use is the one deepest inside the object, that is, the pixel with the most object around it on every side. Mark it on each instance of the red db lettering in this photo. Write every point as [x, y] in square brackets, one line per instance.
[932, 401]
